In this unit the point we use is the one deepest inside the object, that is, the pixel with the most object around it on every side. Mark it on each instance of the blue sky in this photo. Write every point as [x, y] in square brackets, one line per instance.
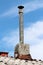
[33, 26]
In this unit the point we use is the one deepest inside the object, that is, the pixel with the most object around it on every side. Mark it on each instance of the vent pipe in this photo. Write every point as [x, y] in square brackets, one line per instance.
[21, 26]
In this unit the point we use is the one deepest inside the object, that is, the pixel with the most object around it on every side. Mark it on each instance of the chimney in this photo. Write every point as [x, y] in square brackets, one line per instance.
[21, 26]
[4, 54]
[22, 50]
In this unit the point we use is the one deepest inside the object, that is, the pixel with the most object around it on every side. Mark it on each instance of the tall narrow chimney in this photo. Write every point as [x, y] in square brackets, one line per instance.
[22, 50]
[21, 26]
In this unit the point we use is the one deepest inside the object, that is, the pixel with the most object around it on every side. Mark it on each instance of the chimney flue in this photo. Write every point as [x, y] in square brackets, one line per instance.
[21, 26]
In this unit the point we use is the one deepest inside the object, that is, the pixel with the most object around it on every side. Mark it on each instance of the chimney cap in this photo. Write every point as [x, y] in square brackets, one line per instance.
[20, 7]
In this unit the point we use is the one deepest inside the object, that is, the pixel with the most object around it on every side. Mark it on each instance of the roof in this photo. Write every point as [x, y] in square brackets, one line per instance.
[13, 61]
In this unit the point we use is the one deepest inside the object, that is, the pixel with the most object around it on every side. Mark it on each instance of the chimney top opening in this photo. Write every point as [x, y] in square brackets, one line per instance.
[20, 7]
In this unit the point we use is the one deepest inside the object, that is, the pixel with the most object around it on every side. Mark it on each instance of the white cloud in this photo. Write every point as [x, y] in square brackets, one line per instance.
[11, 12]
[37, 50]
[30, 6]
[34, 31]
[32, 36]
[11, 38]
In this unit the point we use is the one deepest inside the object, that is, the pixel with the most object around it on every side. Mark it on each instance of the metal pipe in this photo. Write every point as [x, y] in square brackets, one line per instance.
[21, 26]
